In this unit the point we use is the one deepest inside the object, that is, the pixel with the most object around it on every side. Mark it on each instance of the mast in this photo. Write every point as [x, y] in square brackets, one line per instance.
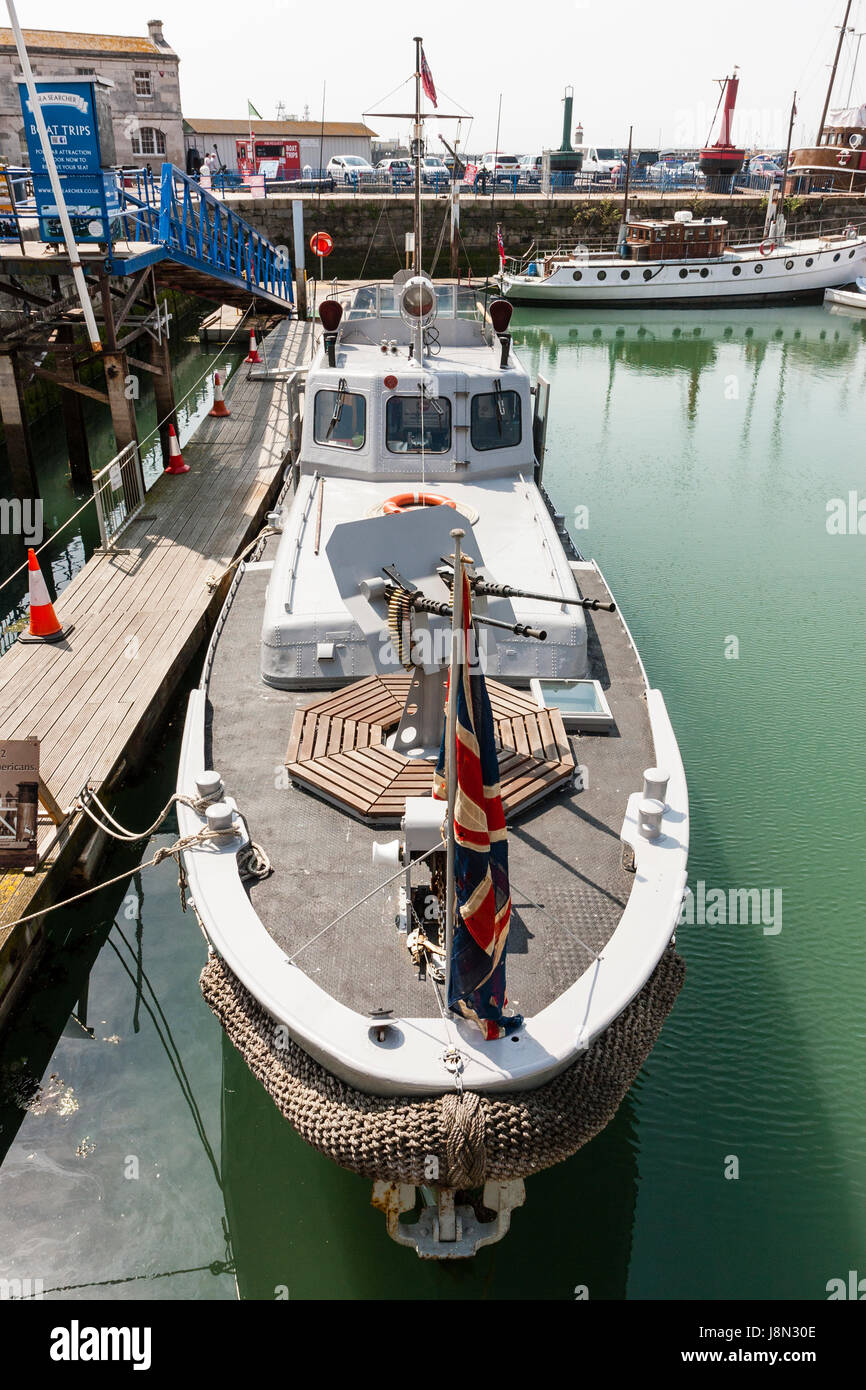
[774, 221]
[417, 142]
[624, 229]
[842, 33]
[457, 658]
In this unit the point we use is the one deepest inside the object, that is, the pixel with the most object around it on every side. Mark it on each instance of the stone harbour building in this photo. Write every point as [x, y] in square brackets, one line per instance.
[145, 96]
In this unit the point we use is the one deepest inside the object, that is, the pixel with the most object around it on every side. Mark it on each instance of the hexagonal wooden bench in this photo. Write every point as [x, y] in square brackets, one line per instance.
[337, 749]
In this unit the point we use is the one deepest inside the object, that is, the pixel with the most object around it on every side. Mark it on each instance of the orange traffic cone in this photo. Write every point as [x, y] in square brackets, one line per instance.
[220, 409]
[44, 625]
[253, 354]
[176, 464]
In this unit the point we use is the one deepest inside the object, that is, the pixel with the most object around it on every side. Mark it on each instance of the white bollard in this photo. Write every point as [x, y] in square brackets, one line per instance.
[220, 816]
[209, 785]
[655, 784]
[649, 818]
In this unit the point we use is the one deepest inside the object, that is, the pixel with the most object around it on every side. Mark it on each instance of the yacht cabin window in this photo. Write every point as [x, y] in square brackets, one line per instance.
[340, 418]
[413, 423]
[495, 420]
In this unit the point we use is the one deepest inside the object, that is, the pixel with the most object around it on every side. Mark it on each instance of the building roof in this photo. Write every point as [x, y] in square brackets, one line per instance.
[242, 126]
[56, 41]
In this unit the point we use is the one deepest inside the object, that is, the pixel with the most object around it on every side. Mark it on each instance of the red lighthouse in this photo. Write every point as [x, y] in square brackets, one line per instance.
[722, 160]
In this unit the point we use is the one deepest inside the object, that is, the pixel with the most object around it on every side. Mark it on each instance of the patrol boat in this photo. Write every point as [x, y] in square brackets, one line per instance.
[416, 678]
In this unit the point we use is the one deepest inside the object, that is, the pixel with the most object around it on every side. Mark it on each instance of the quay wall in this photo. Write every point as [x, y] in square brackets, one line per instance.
[368, 230]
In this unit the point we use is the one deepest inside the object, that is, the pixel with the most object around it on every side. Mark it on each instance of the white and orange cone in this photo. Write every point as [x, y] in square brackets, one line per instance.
[44, 623]
[253, 354]
[176, 463]
[220, 409]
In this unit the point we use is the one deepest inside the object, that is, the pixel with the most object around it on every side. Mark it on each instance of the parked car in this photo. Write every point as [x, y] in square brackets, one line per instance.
[349, 168]
[597, 164]
[400, 170]
[434, 171]
[530, 168]
[674, 170]
[763, 167]
[502, 167]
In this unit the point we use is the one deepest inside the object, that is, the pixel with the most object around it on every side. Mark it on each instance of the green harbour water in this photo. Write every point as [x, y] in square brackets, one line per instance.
[694, 455]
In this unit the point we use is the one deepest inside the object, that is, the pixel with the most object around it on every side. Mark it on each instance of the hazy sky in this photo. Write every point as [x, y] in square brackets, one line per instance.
[652, 64]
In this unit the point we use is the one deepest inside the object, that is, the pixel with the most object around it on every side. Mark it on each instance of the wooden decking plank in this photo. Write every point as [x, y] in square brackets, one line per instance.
[295, 735]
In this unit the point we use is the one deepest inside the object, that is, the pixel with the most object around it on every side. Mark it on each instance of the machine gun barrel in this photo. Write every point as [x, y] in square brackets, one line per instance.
[422, 604]
[486, 586]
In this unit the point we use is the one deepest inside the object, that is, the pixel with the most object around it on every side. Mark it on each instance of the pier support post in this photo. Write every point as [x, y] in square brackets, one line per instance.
[300, 270]
[163, 390]
[121, 402]
[14, 416]
[118, 382]
[71, 405]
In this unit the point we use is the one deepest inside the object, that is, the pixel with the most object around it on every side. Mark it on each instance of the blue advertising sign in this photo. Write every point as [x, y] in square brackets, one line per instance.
[69, 110]
[91, 201]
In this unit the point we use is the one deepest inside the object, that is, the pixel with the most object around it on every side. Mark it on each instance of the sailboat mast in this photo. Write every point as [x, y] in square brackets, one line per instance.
[842, 32]
[417, 145]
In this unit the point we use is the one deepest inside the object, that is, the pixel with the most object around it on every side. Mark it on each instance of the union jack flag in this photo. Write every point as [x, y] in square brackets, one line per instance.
[477, 984]
[427, 80]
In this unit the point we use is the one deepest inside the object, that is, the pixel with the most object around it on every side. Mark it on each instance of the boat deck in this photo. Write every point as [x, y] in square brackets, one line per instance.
[568, 885]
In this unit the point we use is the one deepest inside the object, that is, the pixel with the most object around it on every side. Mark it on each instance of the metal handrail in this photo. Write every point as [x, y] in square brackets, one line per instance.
[118, 491]
[197, 225]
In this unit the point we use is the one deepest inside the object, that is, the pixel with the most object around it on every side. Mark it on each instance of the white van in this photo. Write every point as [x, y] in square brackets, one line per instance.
[599, 163]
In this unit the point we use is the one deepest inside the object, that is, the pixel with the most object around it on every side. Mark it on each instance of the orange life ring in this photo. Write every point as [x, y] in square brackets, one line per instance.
[769, 245]
[404, 500]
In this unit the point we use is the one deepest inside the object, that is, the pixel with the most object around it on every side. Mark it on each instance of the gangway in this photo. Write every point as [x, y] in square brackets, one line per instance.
[192, 239]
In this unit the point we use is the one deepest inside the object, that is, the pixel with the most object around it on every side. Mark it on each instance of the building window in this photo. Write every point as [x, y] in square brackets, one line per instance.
[85, 72]
[146, 140]
[142, 82]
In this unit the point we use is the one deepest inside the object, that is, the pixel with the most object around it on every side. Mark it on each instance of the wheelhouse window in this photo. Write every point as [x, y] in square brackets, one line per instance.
[340, 419]
[495, 420]
[416, 423]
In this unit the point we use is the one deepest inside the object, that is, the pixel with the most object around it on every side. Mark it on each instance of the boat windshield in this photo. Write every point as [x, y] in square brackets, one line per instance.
[413, 423]
[495, 422]
[340, 417]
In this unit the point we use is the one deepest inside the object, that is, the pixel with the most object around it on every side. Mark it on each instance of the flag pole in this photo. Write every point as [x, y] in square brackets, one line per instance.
[457, 659]
[417, 137]
[54, 179]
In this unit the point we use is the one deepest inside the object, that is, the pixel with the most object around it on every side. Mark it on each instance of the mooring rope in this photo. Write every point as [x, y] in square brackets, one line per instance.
[215, 580]
[167, 852]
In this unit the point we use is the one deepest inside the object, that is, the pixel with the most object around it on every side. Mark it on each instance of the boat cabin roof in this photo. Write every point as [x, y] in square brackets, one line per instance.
[656, 222]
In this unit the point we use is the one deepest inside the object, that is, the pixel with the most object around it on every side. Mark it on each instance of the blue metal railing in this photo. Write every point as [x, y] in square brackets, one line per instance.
[16, 201]
[187, 223]
[523, 182]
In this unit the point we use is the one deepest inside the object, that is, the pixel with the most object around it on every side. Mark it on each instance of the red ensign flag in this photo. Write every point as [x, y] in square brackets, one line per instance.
[427, 80]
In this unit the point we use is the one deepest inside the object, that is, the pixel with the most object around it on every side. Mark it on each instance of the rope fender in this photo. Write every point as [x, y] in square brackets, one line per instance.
[463, 1138]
